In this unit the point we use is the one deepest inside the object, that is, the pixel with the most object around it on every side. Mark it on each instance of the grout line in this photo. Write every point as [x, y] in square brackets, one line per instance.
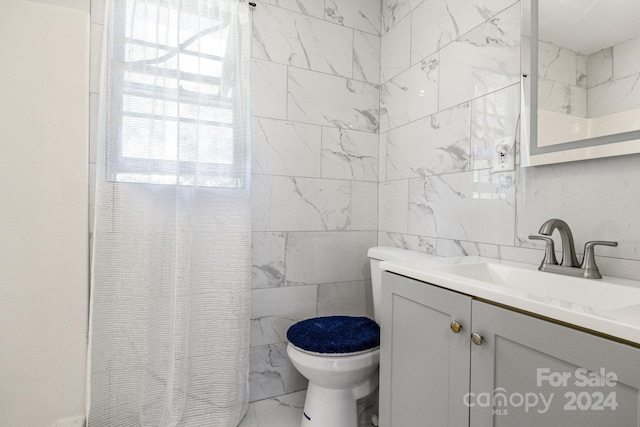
[253, 58]
[312, 231]
[461, 104]
[286, 101]
[342, 180]
[257, 116]
[322, 19]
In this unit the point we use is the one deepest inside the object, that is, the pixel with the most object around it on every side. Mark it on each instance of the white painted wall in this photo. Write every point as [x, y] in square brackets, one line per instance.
[43, 213]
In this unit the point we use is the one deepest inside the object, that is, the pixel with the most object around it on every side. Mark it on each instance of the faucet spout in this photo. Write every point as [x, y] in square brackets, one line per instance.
[569, 258]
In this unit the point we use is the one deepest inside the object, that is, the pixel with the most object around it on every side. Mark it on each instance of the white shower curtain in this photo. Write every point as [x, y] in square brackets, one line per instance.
[170, 294]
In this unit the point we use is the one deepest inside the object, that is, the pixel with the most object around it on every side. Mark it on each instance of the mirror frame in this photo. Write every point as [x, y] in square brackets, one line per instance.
[531, 154]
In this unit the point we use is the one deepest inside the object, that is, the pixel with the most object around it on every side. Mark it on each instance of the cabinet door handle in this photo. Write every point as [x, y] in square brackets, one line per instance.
[476, 338]
[456, 327]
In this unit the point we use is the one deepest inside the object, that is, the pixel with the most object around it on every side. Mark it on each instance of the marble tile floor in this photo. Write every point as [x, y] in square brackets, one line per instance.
[281, 411]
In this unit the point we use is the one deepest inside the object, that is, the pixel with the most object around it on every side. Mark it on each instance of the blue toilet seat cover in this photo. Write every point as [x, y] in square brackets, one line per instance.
[335, 334]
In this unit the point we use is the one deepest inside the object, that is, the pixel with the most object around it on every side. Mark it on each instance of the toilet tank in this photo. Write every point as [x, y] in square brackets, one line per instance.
[385, 253]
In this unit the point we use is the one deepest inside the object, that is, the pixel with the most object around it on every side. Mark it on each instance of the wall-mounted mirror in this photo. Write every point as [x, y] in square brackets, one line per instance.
[581, 99]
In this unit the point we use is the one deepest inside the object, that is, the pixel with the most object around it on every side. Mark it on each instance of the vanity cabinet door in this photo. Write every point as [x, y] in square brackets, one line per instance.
[532, 372]
[424, 365]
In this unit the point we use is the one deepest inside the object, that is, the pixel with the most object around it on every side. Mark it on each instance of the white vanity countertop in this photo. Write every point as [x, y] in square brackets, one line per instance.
[621, 320]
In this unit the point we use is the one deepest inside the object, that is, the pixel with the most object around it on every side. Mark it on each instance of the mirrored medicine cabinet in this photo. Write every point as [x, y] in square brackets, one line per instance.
[581, 100]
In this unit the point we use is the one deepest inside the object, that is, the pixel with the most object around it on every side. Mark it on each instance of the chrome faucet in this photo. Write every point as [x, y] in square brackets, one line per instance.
[569, 264]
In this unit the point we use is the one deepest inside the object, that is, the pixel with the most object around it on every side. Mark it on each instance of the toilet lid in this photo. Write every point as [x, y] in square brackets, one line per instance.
[335, 334]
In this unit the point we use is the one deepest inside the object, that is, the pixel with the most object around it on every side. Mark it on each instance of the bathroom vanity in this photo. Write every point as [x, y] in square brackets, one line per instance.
[461, 346]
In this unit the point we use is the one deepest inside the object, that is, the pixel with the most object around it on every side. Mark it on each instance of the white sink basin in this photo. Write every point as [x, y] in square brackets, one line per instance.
[547, 287]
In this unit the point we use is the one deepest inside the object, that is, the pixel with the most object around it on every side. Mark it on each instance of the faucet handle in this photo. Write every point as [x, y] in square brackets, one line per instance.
[549, 250]
[589, 261]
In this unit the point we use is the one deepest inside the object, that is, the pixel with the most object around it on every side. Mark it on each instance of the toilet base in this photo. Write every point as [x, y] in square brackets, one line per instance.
[335, 407]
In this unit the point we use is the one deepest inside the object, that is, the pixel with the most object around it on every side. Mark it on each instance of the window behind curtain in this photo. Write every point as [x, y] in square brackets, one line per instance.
[177, 110]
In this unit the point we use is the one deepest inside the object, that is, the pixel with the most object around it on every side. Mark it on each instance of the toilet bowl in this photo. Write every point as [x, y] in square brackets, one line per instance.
[336, 383]
[339, 355]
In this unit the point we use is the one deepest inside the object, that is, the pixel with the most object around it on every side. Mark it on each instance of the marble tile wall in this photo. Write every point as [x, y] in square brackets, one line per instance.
[612, 81]
[594, 85]
[315, 120]
[440, 115]
[562, 85]
[282, 411]
[457, 93]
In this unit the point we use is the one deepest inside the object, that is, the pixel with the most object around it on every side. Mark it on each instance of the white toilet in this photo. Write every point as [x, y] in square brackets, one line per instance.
[339, 355]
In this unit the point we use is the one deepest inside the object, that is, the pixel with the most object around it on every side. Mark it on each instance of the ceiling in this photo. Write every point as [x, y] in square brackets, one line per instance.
[587, 26]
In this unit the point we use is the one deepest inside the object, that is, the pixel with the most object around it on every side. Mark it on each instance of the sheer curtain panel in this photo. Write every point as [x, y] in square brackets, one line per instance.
[170, 293]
